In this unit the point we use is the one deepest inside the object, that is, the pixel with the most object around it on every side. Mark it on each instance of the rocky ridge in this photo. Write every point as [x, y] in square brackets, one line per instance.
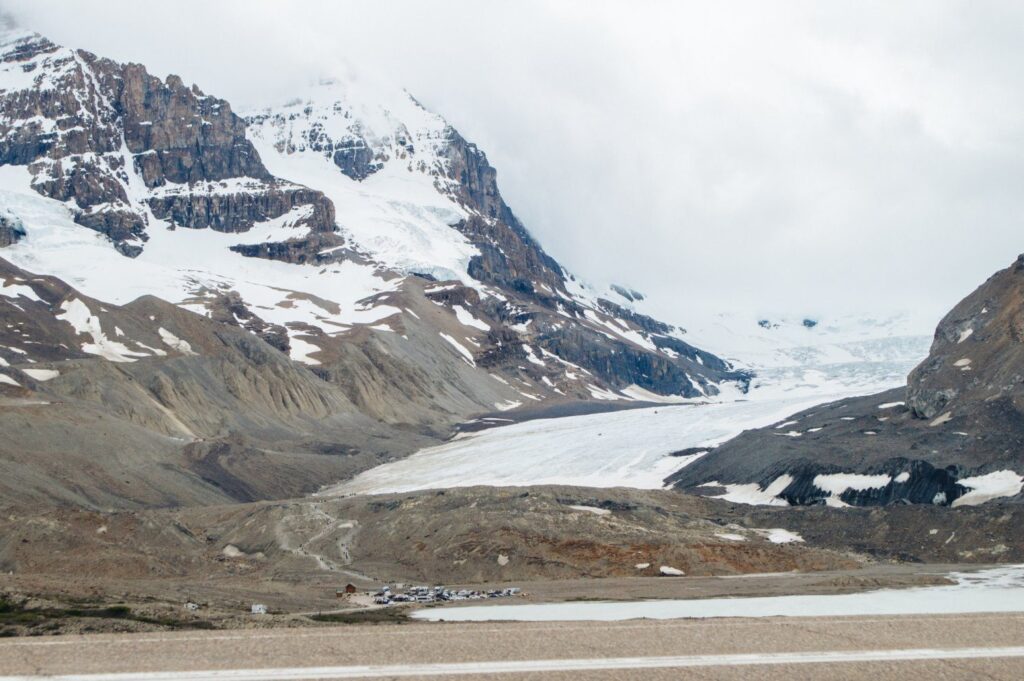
[89, 128]
[147, 404]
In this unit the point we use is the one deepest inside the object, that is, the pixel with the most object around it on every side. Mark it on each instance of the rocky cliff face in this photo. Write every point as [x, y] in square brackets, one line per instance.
[977, 357]
[953, 436]
[103, 135]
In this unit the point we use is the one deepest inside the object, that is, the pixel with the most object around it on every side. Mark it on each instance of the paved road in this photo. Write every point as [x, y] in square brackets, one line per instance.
[908, 648]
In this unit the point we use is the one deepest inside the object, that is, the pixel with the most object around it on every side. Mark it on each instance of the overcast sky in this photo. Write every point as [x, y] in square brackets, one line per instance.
[803, 157]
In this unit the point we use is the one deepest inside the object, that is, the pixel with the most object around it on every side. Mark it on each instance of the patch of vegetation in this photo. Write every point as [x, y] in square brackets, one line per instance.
[15, 614]
[375, 616]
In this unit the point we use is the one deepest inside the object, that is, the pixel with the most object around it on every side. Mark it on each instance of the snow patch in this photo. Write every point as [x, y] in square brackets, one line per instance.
[635, 392]
[601, 393]
[41, 374]
[300, 350]
[591, 509]
[466, 318]
[752, 494]
[15, 290]
[778, 535]
[467, 356]
[990, 486]
[837, 483]
[84, 322]
[172, 341]
[531, 357]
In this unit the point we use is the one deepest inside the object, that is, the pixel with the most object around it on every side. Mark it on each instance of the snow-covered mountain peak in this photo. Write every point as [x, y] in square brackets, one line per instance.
[382, 160]
[359, 127]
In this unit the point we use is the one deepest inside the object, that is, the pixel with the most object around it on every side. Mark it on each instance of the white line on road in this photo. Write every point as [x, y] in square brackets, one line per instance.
[534, 666]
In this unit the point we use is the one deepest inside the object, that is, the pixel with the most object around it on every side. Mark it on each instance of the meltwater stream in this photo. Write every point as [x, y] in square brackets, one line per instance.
[994, 590]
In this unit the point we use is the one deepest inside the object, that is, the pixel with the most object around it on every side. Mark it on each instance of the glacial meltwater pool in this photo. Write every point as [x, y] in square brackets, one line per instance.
[994, 590]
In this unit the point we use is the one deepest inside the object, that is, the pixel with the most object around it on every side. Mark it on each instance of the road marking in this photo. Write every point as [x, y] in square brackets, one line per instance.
[535, 666]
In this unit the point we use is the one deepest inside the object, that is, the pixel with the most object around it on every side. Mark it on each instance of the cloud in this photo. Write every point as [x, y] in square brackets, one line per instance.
[801, 157]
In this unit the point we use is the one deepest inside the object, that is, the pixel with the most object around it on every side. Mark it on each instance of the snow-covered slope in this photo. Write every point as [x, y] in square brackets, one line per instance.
[630, 448]
[383, 163]
[188, 267]
[846, 354]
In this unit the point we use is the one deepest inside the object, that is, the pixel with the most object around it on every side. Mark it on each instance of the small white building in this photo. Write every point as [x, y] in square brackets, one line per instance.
[259, 609]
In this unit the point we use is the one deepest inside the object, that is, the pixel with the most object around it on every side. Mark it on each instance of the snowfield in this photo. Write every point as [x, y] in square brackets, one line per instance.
[797, 368]
[182, 266]
[628, 448]
[852, 354]
[401, 214]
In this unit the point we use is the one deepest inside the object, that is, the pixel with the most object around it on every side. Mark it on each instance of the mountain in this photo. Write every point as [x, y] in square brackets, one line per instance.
[952, 436]
[348, 254]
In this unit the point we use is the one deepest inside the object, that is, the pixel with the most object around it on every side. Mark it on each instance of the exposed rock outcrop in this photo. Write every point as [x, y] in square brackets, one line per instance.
[977, 357]
[237, 211]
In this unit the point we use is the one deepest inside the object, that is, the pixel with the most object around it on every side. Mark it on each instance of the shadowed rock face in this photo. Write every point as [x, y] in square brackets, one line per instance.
[509, 257]
[237, 212]
[977, 356]
[963, 417]
[11, 230]
[355, 159]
